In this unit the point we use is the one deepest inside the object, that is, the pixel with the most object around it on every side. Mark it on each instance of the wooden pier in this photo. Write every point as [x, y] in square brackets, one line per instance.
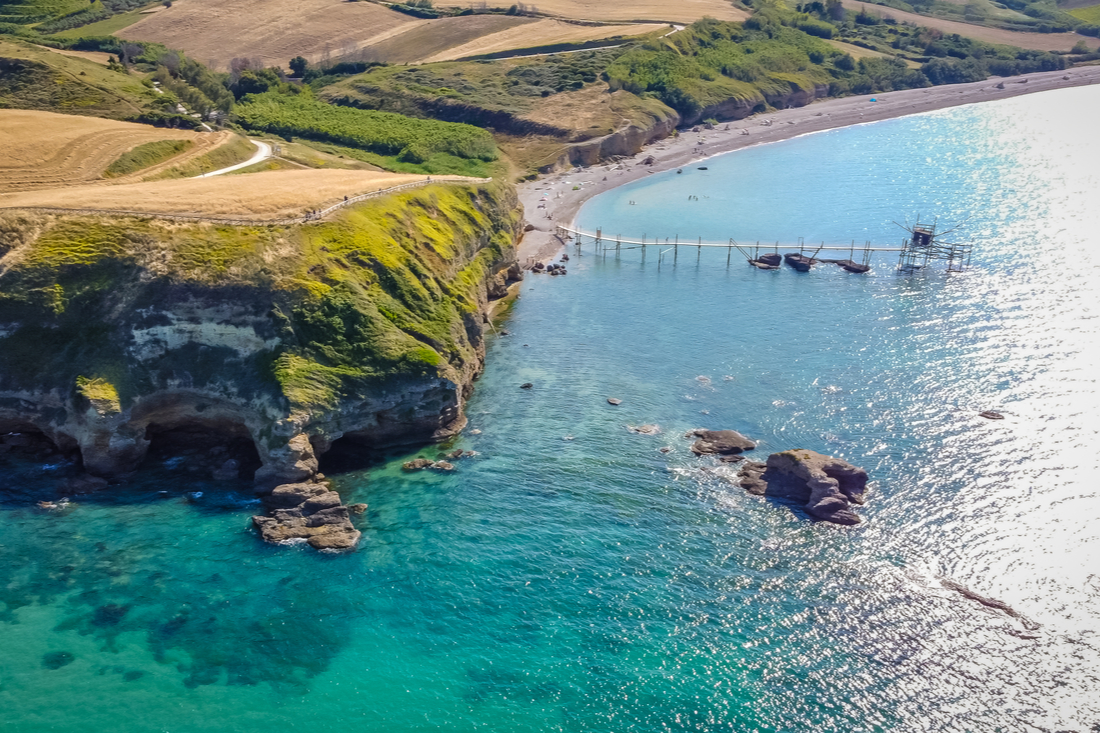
[604, 243]
[913, 253]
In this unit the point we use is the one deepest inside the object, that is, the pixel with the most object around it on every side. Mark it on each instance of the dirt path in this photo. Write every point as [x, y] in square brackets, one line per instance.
[263, 152]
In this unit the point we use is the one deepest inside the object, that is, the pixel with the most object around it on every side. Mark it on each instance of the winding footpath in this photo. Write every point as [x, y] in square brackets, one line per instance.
[263, 152]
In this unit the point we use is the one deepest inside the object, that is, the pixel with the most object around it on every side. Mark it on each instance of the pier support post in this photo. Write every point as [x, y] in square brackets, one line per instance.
[676, 250]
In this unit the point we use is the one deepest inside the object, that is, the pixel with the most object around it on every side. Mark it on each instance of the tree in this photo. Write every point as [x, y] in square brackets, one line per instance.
[128, 52]
[298, 65]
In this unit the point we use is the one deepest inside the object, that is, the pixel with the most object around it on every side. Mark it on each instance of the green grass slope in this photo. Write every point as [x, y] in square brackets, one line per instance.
[387, 291]
[32, 77]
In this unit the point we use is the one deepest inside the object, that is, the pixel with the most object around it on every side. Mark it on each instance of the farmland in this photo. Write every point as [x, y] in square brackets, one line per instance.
[269, 194]
[272, 30]
[1035, 41]
[542, 33]
[414, 42]
[47, 150]
[668, 11]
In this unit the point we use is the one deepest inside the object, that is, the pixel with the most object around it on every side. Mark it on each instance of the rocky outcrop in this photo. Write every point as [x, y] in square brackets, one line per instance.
[827, 487]
[719, 442]
[628, 140]
[307, 512]
[738, 108]
[121, 337]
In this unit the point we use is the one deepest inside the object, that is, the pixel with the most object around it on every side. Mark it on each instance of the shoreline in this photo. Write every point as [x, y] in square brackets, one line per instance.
[541, 244]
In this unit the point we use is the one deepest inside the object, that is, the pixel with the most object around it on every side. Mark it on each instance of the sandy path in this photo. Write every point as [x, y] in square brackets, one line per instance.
[689, 147]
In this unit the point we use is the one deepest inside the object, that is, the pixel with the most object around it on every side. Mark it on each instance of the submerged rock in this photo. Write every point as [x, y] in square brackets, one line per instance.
[309, 512]
[719, 442]
[827, 487]
[644, 429]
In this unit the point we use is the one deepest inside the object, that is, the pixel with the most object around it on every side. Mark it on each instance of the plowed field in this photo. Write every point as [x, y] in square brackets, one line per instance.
[542, 33]
[272, 30]
[48, 150]
[270, 194]
[669, 11]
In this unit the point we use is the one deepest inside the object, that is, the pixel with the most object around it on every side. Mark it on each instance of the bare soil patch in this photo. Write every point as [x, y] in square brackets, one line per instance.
[543, 33]
[1035, 41]
[270, 194]
[670, 11]
[48, 150]
[272, 30]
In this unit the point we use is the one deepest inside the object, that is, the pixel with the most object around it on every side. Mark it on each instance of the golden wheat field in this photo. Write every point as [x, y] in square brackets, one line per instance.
[668, 11]
[48, 150]
[274, 31]
[543, 33]
[266, 195]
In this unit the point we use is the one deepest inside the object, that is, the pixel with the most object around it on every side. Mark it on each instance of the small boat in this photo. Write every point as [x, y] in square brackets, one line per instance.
[855, 267]
[763, 265]
[799, 262]
[703, 168]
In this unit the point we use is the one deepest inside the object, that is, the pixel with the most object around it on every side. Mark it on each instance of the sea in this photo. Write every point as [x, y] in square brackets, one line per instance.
[578, 576]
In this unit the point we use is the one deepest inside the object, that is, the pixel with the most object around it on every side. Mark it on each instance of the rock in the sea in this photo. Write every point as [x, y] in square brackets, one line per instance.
[228, 471]
[416, 464]
[826, 486]
[526, 385]
[719, 442]
[84, 484]
[309, 512]
[443, 466]
[644, 429]
[357, 508]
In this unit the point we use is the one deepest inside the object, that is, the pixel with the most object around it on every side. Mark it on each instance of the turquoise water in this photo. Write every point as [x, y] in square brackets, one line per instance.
[571, 577]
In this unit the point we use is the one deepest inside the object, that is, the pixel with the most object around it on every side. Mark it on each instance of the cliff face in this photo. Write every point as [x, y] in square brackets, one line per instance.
[266, 344]
[632, 137]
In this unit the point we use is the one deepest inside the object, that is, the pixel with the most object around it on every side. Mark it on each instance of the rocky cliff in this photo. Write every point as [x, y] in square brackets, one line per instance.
[263, 344]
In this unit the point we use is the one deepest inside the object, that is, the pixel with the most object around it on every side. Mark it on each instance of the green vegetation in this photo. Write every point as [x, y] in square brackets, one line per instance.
[401, 143]
[65, 16]
[37, 11]
[236, 151]
[101, 393]
[109, 26]
[450, 89]
[1090, 15]
[713, 61]
[34, 78]
[386, 292]
[146, 155]
[1039, 16]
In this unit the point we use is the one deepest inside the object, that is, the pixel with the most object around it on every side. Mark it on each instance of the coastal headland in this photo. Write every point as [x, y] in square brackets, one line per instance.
[566, 192]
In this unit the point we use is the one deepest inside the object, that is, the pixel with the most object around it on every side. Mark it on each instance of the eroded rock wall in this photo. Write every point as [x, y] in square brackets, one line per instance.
[113, 333]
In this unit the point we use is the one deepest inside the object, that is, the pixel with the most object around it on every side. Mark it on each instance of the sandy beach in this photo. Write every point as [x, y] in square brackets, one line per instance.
[564, 202]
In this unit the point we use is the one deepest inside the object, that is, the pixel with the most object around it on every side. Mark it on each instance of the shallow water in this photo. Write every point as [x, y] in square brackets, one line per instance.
[596, 584]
